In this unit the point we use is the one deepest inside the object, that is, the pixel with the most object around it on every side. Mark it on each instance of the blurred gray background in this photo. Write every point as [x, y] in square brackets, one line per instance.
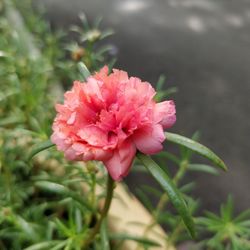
[203, 48]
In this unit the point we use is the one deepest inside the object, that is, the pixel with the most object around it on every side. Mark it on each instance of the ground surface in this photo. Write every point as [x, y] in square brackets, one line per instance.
[203, 47]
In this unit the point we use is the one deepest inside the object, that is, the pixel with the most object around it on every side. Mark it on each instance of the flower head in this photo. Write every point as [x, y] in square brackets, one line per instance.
[108, 118]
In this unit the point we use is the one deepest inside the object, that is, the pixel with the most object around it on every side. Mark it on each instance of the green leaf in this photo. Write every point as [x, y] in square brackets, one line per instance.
[160, 82]
[226, 210]
[106, 34]
[60, 245]
[187, 187]
[174, 195]
[111, 64]
[11, 120]
[203, 168]
[245, 215]
[141, 240]
[97, 22]
[103, 50]
[26, 227]
[196, 147]
[78, 220]
[52, 187]
[39, 147]
[84, 20]
[62, 190]
[104, 236]
[83, 70]
[165, 93]
[43, 245]
[63, 228]
[169, 156]
[187, 153]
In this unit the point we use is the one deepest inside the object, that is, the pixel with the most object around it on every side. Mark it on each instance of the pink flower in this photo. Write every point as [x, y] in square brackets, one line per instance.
[108, 118]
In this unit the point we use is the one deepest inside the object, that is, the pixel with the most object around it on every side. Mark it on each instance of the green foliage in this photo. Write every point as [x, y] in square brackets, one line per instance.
[49, 203]
[172, 192]
[43, 204]
[214, 232]
[225, 230]
[87, 48]
[173, 222]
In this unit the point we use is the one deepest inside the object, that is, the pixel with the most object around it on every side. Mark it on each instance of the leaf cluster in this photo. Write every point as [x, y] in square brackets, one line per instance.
[46, 203]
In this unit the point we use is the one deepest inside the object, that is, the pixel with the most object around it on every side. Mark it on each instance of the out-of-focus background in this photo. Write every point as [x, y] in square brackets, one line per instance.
[203, 48]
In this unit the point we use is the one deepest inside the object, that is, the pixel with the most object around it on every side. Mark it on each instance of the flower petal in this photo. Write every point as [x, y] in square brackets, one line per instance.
[165, 114]
[93, 135]
[120, 163]
[60, 142]
[70, 154]
[149, 140]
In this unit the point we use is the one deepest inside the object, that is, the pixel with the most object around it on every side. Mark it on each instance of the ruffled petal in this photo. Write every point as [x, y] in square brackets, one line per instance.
[149, 140]
[120, 163]
[165, 114]
[60, 142]
[93, 135]
[70, 154]
[119, 75]
[102, 74]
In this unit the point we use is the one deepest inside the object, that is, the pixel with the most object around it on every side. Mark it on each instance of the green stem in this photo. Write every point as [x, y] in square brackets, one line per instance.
[174, 236]
[181, 172]
[104, 212]
[93, 192]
